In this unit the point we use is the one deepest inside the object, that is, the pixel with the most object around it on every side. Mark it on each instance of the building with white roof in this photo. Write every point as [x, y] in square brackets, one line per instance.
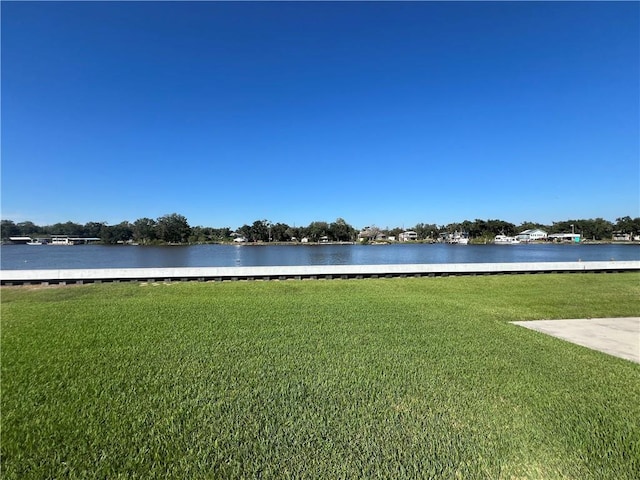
[532, 235]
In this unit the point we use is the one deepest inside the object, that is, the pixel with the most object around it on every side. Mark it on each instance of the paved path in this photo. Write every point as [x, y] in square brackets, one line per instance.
[82, 275]
[616, 336]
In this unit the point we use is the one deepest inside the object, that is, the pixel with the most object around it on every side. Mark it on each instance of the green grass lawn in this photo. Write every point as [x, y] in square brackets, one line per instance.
[385, 378]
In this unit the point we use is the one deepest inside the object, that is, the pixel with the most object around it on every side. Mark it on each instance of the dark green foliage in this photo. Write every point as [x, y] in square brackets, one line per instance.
[174, 228]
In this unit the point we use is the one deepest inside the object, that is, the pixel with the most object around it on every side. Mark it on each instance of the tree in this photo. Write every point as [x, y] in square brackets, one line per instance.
[119, 233]
[144, 230]
[315, 230]
[565, 226]
[425, 231]
[628, 225]
[28, 229]
[173, 228]
[9, 229]
[341, 231]
[454, 227]
[245, 231]
[260, 231]
[395, 232]
[69, 228]
[199, 234]
[280, 232]
[294, 232]
[598, 229]
[476, 229]
[369, 233]
[93, 229]
[220, 234]
[527, 225]
[496, 227]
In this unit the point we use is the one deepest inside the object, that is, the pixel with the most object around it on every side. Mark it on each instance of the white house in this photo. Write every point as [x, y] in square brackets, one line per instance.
[407, 236]
[532, 235]
[621, 237]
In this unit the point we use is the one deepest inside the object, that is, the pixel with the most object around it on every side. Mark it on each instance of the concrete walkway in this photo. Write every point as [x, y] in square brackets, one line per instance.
[616, 336]
[88, 275]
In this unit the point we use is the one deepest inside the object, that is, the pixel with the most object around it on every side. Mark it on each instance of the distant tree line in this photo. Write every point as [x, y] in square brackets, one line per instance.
[175, 229]
[264, 231]
[171, 228]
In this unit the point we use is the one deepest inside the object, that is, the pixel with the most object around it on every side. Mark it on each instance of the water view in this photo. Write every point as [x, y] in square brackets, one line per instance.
[25, 257]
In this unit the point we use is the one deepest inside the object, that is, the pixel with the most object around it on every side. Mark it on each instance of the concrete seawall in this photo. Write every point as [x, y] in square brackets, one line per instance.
[79, 276]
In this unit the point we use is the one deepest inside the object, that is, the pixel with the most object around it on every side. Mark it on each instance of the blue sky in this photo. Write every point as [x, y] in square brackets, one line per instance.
[386, 113]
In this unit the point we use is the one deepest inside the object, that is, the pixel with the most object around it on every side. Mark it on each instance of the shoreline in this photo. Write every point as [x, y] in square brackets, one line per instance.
[307, 272]
[303, 244]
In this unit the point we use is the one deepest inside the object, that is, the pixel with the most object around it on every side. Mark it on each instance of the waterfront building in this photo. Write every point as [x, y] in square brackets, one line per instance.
[407, 236]
[532, 235]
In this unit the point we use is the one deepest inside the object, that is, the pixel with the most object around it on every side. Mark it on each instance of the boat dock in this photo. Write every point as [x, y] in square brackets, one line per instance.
[54, 240]
[314, 272]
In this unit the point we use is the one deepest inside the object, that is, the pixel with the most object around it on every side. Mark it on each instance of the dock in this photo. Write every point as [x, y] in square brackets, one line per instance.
[302, 272]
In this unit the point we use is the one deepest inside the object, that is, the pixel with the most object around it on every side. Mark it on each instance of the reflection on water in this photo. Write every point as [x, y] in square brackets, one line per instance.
[20, 257]
[330, 255]
[169, 256]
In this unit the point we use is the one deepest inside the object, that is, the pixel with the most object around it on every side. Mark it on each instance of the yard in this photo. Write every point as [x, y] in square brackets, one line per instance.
[387, 378]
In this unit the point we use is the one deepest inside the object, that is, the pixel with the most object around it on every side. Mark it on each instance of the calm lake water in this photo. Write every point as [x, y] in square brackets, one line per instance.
[24, 257]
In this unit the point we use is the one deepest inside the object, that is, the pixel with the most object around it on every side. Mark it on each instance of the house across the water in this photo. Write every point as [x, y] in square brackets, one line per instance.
[565, 237]
[532, 235]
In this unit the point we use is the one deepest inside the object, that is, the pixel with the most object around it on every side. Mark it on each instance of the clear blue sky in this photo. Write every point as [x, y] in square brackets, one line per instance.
[380, 113]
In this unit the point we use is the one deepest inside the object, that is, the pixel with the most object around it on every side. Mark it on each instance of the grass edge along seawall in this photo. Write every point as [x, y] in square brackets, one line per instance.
[384, 377]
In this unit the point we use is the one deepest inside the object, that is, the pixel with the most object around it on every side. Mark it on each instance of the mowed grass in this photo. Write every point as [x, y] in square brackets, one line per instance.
[388, 378]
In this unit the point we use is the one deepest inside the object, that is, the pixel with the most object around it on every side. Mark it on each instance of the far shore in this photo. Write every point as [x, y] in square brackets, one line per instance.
[418, 242]
[370, 243]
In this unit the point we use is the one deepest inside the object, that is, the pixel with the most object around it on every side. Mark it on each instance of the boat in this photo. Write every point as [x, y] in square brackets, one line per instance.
[61, 240]
[505, 240]
[460, 238]
[36, 241]
[455, 238]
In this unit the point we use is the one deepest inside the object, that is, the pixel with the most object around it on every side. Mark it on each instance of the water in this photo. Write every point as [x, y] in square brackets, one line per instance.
[24, 257]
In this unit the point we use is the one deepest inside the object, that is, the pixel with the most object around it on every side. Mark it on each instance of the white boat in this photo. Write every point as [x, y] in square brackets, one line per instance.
[36, 241]
[61, 240]
[455, 238]
[505, 240]
[460, 238]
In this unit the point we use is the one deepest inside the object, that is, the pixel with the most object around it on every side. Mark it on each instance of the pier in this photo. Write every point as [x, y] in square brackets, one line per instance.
[302, 272]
